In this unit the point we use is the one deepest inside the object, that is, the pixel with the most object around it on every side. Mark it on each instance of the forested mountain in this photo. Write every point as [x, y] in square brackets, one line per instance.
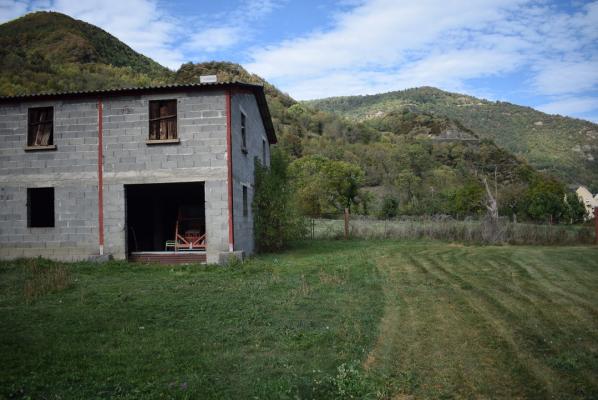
[420, 151]
[48, 51]
[563, 146]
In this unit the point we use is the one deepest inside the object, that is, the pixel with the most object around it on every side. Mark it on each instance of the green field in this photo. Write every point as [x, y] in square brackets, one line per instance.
[328, 319]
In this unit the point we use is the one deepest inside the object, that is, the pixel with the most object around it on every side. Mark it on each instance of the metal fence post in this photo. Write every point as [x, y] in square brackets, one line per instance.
[596, 225]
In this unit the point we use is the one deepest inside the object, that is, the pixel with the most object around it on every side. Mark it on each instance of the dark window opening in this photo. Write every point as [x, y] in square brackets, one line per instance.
[162, 120]
[245, 205]
[264, 152]
[40, 207]
[153, 210]
[40, 130]
[243, 133]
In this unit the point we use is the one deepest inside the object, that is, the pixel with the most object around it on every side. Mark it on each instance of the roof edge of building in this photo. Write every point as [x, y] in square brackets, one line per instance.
[258, 91]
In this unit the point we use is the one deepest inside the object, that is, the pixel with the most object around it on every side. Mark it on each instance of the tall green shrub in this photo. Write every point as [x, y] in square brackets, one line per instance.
[575, 210]
[276, 219]
[546, 200]
[326, 186]
[389, 207]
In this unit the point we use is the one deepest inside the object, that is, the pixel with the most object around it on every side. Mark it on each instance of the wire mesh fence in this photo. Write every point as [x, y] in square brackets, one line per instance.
[447, 228]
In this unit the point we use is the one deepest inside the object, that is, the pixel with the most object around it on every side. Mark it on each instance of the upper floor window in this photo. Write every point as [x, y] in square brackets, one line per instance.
[243, 133]
[40, 130]
[162, 120]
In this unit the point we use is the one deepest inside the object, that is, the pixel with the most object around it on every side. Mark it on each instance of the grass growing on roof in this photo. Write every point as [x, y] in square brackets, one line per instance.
[354, 319]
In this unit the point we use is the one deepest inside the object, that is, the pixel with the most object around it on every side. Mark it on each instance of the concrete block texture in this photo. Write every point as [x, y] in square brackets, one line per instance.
[195, 133]
[228, 257]
[72, 170]
[75, 130]
[74, 235]
[244, 165]
[216, 219]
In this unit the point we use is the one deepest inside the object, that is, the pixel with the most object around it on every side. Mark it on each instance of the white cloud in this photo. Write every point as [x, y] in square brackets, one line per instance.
[446, 70]
[378, 33]
[214, 39]
[228, 29]
[146, 27]
[10, 9]
[449, 69]
[256, 9]
[382, 45]
[571, 106]
[139, 23]
[372, 46]
[556, 78]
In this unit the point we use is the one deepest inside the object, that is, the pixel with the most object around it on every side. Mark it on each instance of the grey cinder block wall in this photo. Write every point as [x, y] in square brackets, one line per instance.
[244, 165]
[72, 167]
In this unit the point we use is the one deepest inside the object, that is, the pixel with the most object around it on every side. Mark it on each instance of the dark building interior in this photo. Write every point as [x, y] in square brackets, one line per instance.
[153, 210]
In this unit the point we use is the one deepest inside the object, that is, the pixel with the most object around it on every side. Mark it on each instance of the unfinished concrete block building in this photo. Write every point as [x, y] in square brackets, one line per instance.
[159, 173]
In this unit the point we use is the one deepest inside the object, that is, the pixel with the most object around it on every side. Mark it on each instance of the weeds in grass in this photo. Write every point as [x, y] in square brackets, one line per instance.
[438, 320]
[44, 279]
[234, 262]
[348, 383]
[275, 277]
[304, 288]
[468, 231]
[330, 279]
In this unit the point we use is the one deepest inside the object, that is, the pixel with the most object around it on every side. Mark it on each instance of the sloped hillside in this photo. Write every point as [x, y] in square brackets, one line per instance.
[46, 51]
[426, 160]
[563, 146]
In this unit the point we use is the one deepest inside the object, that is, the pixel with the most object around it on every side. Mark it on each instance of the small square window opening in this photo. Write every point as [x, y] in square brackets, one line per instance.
[40, 207]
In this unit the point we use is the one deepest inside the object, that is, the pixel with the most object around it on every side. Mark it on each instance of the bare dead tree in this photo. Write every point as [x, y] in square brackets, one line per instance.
[491, 229]
[491, 203]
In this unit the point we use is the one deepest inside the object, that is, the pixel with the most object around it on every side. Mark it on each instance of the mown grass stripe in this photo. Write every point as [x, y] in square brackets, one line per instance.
[511, 353]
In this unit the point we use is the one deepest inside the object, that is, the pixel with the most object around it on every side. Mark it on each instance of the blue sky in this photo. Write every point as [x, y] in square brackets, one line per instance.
[539, 53]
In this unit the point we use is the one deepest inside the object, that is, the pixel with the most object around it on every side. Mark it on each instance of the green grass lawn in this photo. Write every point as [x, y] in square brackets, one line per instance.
[331, 319]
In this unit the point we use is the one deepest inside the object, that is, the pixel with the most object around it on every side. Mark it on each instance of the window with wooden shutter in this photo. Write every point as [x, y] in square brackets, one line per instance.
[162, 120]
[41, 127]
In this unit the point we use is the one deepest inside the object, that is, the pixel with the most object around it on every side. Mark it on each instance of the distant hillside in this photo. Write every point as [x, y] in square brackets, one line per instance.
[46, 51]
[411, 154]
[563, 146]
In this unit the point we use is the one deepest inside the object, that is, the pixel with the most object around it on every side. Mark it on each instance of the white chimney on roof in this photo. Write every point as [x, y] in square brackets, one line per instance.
[208, 79]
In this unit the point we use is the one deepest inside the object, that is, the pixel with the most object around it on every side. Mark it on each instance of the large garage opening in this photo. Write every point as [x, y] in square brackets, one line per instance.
[165, 217]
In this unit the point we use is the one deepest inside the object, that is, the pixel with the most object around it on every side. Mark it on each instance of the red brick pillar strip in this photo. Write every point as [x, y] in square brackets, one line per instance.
[229, 157]
[100, 177]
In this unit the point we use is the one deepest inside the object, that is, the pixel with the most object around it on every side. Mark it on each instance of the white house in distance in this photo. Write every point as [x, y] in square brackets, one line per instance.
[589, 201]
